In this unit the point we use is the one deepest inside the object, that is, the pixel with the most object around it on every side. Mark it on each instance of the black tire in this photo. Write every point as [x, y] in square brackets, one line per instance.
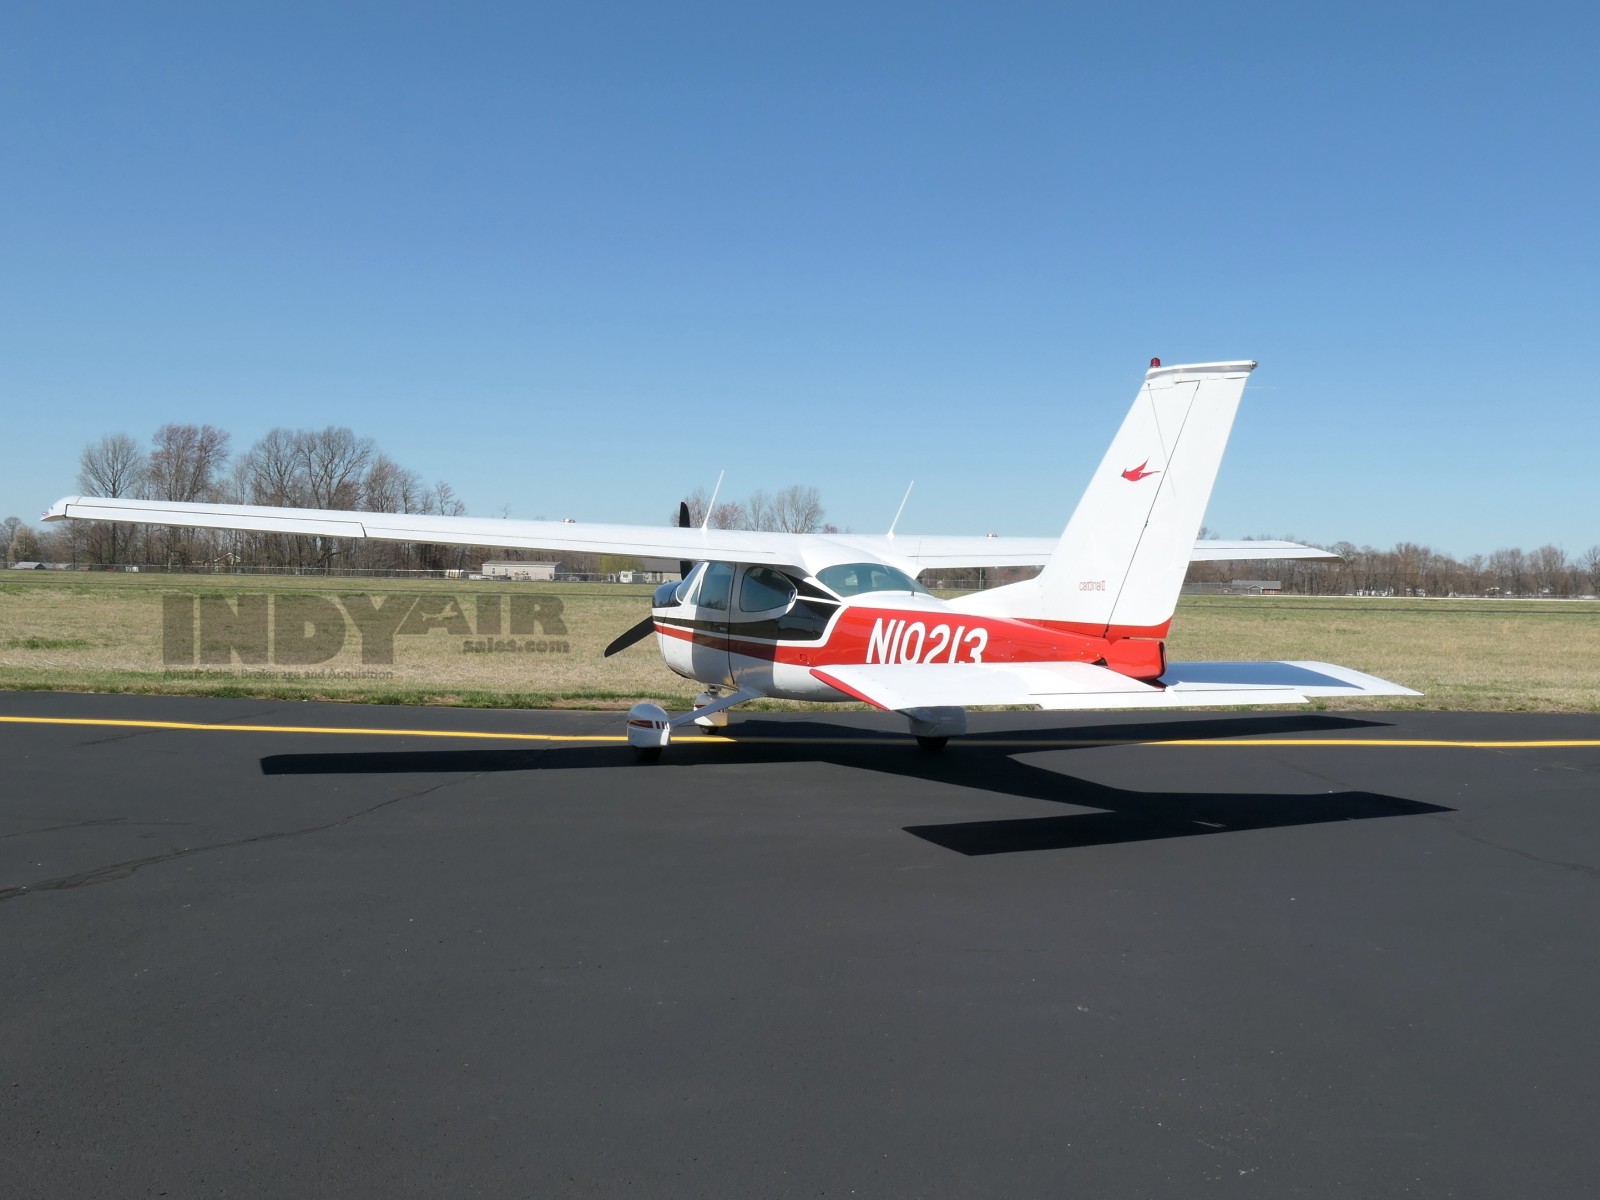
[931, 745]
[648, 754]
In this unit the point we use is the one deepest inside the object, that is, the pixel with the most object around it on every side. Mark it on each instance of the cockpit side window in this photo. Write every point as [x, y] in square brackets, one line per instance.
[764, 589]
[855, 579]
[716, 586]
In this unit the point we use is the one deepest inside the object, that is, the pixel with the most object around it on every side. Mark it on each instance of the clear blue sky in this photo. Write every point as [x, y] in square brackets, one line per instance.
[576, 258]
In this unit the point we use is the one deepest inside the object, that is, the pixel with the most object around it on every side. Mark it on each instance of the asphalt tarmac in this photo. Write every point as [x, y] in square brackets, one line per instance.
[1084, 955]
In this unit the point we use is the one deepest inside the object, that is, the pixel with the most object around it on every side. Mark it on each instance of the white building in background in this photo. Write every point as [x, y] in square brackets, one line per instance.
[522, 572]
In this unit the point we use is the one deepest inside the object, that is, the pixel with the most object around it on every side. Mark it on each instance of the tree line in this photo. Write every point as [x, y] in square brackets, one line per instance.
[331, 468]
[1409, 569]
[795, 509]
[334, 468]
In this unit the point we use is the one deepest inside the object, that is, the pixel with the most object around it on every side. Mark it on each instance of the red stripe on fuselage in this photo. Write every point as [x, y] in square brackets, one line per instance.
[1110, 633]
[863, 634]
[767, 651]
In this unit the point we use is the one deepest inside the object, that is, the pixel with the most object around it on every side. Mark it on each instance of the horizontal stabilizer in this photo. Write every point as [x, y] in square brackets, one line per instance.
[1212, 550]
[899, 686]
[1307, 678]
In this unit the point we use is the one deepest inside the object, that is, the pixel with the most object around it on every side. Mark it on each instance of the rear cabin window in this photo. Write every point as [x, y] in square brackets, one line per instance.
[854, 579]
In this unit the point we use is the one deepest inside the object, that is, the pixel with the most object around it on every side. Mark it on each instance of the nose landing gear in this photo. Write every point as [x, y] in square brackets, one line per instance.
[650, 727]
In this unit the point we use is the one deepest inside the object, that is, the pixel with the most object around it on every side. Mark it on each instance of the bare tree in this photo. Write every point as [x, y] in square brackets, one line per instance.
[184, 464]
[1589, 560]
[269, 474]
[185, 461]
[1472, 573]
[797, 509]
[729, 514]
[757, 512]
[272, 471]
[1507, 566]
[388, 486]
[1549, 566]
[113, 466]
[332, 464]
[300, 468]
[441, 500]
[444, 502]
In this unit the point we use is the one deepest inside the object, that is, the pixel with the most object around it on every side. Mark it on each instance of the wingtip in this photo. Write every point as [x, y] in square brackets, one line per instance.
[58, 510]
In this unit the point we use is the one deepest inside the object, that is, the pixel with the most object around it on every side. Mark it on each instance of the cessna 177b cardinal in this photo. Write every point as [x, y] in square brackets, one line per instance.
[839, 617]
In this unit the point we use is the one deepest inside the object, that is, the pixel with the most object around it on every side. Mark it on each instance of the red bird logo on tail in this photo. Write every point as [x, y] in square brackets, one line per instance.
[1134, 474]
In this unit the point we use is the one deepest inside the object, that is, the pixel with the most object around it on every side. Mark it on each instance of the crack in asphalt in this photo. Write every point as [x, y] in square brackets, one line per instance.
[112, 872]
[68, 825]
[1580, 868]
[112, 739]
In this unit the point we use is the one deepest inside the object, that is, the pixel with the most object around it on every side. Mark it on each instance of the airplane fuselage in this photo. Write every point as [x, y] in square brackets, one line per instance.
[783, 645]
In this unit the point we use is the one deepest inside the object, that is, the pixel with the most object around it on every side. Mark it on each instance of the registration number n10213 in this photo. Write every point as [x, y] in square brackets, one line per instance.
[897, 640]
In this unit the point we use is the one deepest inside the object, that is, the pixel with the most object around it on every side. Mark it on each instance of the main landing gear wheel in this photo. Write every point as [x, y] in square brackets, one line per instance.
[933, 727]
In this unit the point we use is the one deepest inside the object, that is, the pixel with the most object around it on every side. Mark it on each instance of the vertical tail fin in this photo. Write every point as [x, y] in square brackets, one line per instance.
[1120, 563]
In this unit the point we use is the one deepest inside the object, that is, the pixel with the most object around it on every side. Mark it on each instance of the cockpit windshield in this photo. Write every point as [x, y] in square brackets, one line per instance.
[854, 579]
[684, 590]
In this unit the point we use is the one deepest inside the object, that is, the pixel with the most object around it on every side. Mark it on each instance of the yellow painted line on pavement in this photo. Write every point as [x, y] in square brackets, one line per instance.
[334, 729]
[991, 743]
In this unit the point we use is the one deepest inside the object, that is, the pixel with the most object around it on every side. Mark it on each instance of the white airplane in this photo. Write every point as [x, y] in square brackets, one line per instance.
[841, 617]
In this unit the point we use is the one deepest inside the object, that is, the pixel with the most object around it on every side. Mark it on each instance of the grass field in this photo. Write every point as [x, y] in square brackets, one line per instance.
[104, 632]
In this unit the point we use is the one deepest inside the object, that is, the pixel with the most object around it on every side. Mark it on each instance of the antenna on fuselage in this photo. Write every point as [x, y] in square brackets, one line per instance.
[711, 505]
[902, 507]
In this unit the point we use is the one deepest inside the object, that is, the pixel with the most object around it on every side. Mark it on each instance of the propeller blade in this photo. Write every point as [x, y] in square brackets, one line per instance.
[638, 633]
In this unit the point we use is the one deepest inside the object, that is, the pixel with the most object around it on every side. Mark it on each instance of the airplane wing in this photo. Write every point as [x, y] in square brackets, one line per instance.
[899, 686]
[927, 553]
[658, 541]
[915, 554]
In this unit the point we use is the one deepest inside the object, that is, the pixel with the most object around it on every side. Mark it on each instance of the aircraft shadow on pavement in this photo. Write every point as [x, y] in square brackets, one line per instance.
[1123, 815]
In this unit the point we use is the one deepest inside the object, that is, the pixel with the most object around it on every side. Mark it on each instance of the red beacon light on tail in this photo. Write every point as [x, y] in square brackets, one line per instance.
[1154, 363]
